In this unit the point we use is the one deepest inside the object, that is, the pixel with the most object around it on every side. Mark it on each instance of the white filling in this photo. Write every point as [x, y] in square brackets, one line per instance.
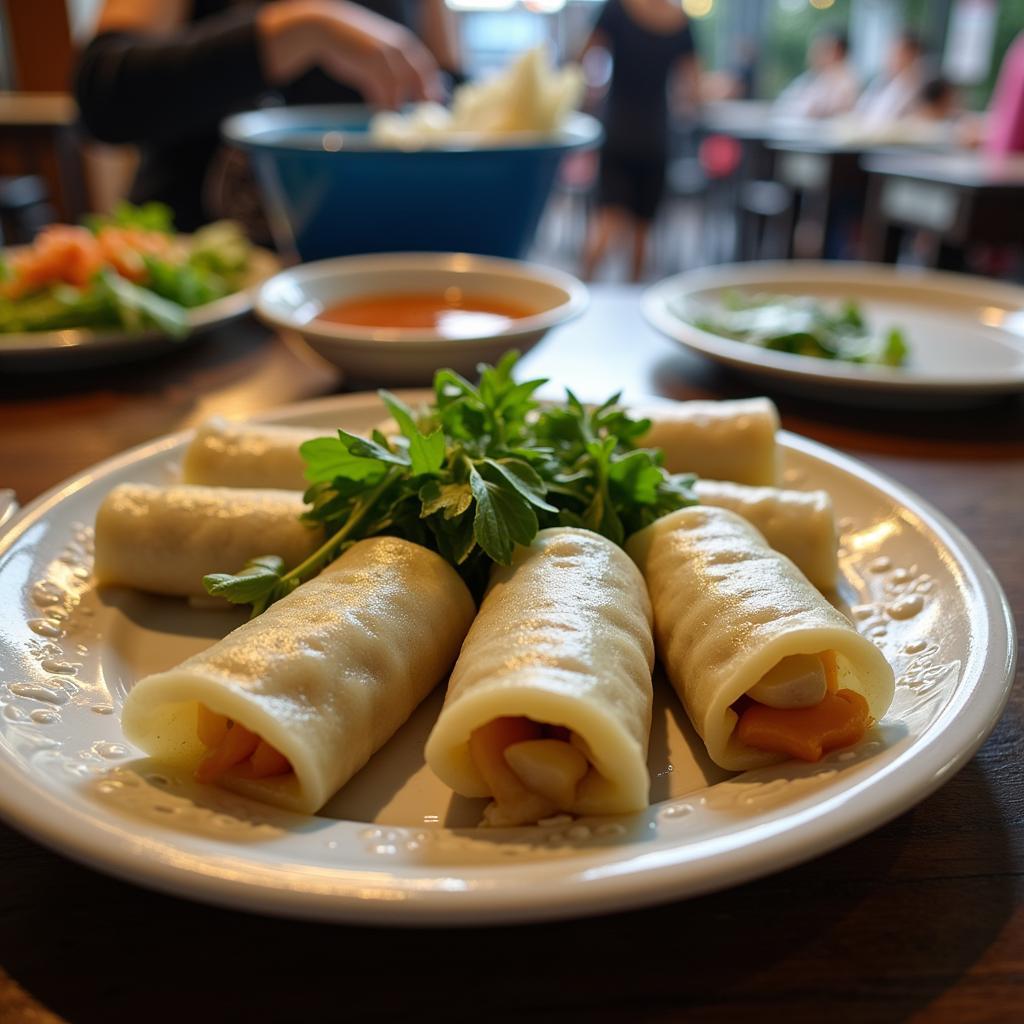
[797, 681]
[549, 767]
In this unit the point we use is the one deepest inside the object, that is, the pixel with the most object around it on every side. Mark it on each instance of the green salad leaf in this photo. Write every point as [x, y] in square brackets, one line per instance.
[801, 326]
[110, 301]
[477, 472]
[212, 264]
[138, 307]
[151, 216]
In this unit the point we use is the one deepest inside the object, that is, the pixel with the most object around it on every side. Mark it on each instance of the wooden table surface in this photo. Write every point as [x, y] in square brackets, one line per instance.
[921, 920]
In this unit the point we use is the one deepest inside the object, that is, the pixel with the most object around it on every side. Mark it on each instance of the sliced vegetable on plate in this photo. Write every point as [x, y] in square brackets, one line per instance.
[127, 270]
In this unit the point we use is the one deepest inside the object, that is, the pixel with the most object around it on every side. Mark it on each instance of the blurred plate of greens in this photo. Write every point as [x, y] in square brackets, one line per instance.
[858, 332]
[799, 325]
[123, 286]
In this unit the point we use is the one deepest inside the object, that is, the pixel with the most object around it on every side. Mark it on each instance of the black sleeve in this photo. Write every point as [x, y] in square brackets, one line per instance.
[133, 88]
[609, 20]
[685, 44]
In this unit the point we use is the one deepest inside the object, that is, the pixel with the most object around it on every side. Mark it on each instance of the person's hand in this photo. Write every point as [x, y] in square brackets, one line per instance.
[380, 58]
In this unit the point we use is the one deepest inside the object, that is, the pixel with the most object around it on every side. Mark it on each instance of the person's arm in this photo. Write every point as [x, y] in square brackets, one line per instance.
[439, 31]
[148, 76]
[686, 72]
[688, 86]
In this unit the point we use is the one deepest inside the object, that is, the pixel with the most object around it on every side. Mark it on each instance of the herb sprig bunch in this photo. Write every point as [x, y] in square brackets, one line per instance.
[481, 470]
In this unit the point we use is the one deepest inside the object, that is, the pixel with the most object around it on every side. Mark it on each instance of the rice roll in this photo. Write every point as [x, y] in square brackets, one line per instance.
[548, 708]
[765, 667]
[799, 524]
[227, 454]
[732, 440]
[293, 703]
[165, 539]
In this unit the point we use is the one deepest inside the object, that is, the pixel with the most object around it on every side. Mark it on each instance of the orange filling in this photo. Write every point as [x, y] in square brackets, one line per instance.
[487, 749]
[840, 720]
[234, 748]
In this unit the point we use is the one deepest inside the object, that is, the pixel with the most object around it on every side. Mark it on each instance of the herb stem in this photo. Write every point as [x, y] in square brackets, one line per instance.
[324, 553]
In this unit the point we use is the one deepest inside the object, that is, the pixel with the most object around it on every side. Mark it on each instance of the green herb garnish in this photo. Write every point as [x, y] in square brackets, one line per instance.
[479, 471]
[801, 326]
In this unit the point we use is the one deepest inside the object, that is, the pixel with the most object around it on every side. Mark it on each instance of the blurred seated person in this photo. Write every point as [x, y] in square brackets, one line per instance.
[896, 91]
[650, 45]
[1004, 133]
[938, 101]
[163, 74]
[828, 87]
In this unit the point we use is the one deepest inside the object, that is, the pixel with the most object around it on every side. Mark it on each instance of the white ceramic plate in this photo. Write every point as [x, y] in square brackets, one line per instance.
[395, 846]
[80, 347]
[966, 334]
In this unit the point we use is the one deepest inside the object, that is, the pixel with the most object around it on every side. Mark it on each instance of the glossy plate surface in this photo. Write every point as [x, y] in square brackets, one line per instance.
[965, 334]
[395, 846]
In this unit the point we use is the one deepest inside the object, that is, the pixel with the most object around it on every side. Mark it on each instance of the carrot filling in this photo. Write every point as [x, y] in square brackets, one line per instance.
[531, 769]
[232, 747]
[839, 719]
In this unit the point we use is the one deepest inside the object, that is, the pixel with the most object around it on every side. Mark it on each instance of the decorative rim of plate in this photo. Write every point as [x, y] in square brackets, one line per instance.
[657, 302]
[538, 890]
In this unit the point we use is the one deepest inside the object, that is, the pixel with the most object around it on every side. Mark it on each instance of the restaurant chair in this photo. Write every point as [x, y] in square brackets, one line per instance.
[24, 208]
[766, 215]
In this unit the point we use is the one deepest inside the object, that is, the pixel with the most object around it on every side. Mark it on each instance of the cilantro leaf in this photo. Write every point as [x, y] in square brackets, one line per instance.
[523, 479]
[503, 518]
[635, 477]
[472, 476]
[426, 451]
[251, 585]
[329, 458]
[449, 499]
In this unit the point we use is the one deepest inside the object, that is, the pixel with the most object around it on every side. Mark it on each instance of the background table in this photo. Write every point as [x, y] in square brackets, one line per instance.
[922, 920]
[956, 199]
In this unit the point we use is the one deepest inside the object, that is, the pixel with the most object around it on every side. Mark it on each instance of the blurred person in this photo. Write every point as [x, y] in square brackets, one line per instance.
[938, 101]
[1004, 131]
[896, 91]
[651, 46]
[163, 74]
[828, 87]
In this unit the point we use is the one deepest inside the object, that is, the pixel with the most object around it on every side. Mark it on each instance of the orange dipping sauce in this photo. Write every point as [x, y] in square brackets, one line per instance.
[449, 313]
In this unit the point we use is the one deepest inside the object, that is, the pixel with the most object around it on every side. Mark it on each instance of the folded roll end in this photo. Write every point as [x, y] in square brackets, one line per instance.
[616, 781]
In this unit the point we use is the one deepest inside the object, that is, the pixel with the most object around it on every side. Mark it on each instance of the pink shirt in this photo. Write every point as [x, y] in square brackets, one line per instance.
[1006, 112]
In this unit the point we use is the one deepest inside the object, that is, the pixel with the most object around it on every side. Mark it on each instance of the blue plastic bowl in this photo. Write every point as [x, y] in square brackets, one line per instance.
[331, 191]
